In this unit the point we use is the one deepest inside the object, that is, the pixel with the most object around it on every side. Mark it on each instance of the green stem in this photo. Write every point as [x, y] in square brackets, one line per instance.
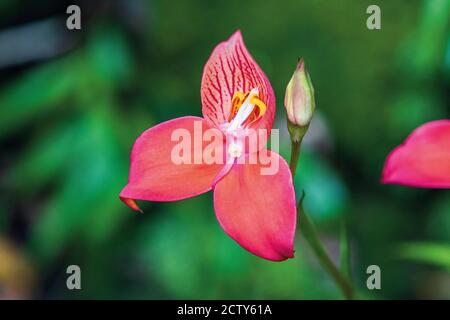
[295, 152]
[344, 248]
[310, 234]
[312, 237]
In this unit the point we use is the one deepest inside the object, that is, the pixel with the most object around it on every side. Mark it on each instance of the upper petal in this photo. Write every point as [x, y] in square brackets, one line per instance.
[423, 160]
[258, 210]
[154, 176]
[229, 69]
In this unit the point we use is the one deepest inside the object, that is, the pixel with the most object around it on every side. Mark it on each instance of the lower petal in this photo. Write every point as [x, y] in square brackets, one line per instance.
[423, 160]
[155, 176]
[256, 207]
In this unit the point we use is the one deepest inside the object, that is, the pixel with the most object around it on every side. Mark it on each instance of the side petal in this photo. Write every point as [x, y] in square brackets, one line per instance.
[257, 210]
[229, 69]
[423, 160]
[155, 176]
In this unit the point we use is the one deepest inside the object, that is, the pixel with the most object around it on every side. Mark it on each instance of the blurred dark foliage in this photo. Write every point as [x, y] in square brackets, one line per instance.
[72, 103]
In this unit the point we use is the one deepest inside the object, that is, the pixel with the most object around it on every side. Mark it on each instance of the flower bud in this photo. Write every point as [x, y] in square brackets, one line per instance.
[299, 102]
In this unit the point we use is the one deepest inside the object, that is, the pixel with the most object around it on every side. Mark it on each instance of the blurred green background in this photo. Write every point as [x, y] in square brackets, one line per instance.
[73, 102]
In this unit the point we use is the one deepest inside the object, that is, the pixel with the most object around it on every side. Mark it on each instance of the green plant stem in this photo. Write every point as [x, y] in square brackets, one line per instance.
[344, 248]
[295, 152]
[311, 236]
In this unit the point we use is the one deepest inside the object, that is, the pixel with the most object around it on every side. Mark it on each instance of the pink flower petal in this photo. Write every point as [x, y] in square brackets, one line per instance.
[153, 174]
[258, 211]
[423, 160]
[231, 68]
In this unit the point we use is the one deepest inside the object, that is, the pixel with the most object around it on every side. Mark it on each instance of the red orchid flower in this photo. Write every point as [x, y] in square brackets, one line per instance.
[423, 160]
[258, 211]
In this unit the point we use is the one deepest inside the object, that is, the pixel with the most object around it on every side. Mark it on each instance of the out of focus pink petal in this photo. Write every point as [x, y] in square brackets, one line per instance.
[153, 174]
[258, 211]
[423, 160]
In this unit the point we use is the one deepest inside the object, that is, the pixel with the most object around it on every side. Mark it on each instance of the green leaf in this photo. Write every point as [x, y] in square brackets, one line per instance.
[436, 254]
[34, 94]
[85, 205]
[46, 156]
[425, 49]
[344, 247]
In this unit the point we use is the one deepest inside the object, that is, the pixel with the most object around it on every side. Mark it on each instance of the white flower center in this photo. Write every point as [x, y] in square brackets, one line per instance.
[235, 149]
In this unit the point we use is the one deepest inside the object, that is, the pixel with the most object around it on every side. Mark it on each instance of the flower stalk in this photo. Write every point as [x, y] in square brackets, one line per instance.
[310, 233]
[300, 104]
[296, 133]
[294, 157]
